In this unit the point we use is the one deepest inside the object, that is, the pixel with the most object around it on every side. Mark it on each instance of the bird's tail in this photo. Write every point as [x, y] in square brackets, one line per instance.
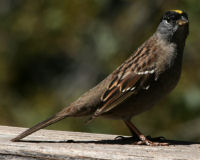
[38, 126]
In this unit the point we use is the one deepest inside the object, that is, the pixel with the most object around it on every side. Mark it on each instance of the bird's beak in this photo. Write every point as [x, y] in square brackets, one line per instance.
[182, 22]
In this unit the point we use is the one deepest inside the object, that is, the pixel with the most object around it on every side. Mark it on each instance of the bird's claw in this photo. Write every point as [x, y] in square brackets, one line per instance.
[145, 141]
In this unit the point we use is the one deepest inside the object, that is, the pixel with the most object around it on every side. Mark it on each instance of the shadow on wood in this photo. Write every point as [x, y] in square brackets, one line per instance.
[118, 140]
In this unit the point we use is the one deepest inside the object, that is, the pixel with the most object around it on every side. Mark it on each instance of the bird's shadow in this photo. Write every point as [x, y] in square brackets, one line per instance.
[118, 140]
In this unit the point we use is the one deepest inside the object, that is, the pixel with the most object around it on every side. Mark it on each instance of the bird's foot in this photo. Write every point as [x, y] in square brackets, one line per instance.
[145, 141]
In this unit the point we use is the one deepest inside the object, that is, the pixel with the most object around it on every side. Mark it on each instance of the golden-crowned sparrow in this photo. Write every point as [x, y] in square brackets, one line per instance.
[137, 84]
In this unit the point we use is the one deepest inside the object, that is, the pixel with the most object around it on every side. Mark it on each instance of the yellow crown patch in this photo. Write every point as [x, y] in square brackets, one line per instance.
[177, 11]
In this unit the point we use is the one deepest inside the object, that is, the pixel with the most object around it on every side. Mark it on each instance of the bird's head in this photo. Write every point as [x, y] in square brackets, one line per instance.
[174, 26]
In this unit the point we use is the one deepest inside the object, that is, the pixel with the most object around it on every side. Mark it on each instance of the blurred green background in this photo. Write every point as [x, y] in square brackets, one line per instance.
[53, 51]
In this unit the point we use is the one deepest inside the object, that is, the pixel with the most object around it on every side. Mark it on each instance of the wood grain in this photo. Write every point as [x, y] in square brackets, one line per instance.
[53, 145]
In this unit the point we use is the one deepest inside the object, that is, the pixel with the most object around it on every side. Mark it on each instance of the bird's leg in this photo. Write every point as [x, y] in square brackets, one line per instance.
[142, 138]
[135, 136]
[131, 130]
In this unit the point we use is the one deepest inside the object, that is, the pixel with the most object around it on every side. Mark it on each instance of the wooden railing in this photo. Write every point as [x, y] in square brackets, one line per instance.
[53, 145]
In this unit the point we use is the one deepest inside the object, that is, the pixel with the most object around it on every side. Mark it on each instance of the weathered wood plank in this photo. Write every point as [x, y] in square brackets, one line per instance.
[49, 144]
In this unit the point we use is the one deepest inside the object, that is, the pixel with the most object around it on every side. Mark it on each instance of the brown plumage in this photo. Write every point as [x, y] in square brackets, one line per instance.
[137, 84]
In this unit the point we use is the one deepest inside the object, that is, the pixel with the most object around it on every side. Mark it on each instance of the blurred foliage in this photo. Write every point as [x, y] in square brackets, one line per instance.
[53, 51]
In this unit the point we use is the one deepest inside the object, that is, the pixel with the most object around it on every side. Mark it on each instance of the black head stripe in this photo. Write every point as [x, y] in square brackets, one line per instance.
[174, 15]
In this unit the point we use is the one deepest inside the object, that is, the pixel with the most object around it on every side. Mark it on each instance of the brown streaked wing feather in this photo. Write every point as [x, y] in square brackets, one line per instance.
[128, 79]
[127, 82]
[112, 103]
[116, 95]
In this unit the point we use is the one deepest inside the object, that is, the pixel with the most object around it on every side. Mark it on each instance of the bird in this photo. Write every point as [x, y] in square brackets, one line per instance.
[149, 74]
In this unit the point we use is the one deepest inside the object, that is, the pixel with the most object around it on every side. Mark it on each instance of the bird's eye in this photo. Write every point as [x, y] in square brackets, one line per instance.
[166, 21]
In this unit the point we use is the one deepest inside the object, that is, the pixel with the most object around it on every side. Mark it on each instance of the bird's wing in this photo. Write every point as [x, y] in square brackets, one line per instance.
[128, 79]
